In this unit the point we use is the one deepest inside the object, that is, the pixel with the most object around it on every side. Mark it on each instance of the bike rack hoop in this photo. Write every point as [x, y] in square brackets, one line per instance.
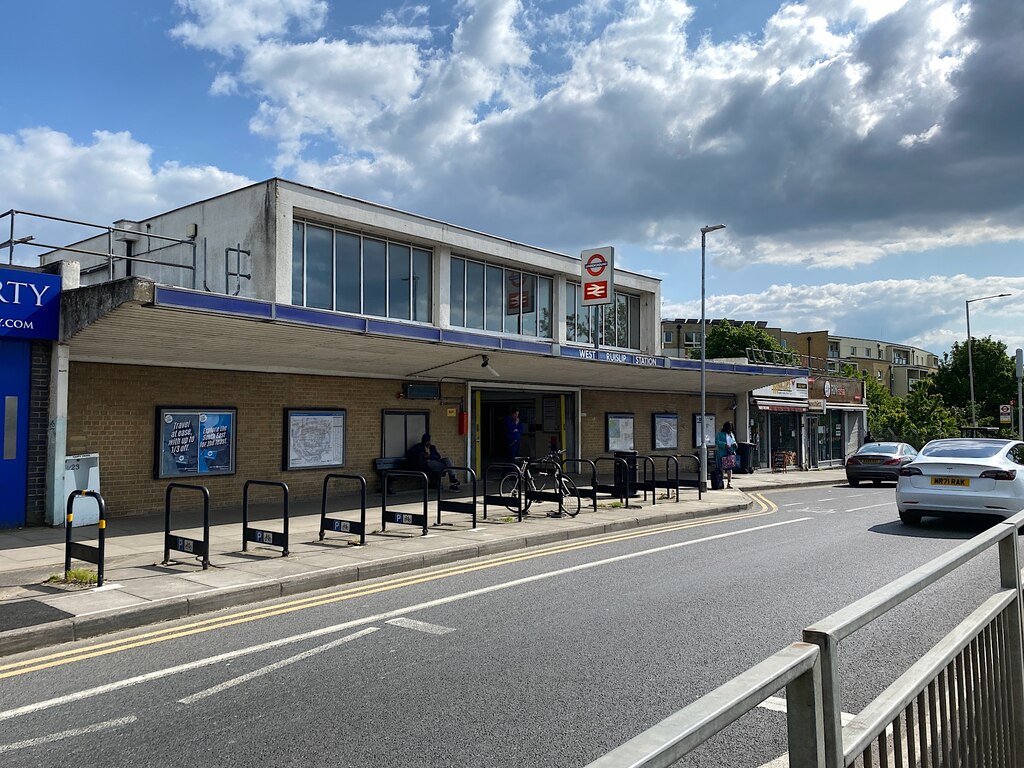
[181, 543]
[258, 535]
[86, 552]
[345, 526]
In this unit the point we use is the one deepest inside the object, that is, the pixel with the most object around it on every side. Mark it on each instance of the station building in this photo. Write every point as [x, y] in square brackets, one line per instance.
[281, 332]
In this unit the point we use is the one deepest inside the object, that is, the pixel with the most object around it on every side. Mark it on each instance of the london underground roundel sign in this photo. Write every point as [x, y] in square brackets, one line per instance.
[596, 264]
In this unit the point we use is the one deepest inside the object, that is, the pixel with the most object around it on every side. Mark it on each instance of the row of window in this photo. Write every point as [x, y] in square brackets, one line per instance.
[332, 269]
[612, 325]
[492, 298]
[346, 272]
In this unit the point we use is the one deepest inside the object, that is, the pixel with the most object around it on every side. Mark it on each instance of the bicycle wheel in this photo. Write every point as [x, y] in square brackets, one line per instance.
[570, 497]
[509, 487]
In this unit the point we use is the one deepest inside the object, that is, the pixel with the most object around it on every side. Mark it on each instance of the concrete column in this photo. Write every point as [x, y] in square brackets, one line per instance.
[441, 279]
[57, 435]
[57, 427]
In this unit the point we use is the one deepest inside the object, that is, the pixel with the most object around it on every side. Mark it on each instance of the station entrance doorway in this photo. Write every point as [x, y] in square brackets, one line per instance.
[550, 419]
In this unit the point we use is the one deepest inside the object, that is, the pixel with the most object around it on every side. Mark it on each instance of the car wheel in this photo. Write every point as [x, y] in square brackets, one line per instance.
[910, 518]
[853, 483]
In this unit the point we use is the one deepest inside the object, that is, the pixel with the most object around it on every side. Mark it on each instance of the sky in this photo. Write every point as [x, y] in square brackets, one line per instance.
[866, 156]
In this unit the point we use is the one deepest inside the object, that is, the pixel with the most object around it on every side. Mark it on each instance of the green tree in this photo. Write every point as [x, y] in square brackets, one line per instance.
[931, 418]
[727, 340]
[994, 379]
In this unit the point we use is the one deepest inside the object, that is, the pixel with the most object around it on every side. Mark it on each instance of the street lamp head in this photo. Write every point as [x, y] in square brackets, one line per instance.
[712, 228]
[983, 298]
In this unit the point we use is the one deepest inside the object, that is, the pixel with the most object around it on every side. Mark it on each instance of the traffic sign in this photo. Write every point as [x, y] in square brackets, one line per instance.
[1005, 414]
[597, 275]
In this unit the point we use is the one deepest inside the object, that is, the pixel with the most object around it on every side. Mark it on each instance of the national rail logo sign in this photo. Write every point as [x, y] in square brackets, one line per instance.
[597, 275]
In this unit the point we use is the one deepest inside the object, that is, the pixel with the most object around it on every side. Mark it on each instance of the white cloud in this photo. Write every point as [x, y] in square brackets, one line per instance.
[111, 177]
[225, 26]
[926, 312]
[837, 137]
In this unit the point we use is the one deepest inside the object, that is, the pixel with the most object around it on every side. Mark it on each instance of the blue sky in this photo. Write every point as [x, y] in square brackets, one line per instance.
[867, 156]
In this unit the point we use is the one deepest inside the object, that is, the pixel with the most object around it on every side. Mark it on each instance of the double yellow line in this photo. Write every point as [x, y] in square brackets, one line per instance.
[349, 593]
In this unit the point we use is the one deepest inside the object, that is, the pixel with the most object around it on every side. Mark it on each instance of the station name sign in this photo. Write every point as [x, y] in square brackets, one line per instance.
[29, 305]
[622, 358]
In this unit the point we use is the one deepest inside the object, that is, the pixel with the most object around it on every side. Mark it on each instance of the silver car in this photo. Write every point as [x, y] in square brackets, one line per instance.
[878, 461]
[964, 476]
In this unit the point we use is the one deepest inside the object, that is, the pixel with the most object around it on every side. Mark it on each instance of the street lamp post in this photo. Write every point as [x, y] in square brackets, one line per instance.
[703, 361]
[970, 353]
[679, 331]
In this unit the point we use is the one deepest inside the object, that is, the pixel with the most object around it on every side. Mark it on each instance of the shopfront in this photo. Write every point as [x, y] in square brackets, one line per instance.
[776, 423]
[835, 422]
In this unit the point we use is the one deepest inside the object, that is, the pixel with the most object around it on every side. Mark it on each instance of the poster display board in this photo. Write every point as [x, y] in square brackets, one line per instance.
[619, 432]
[708, 427]
[314, 438]
[664, 431]
[195, 442]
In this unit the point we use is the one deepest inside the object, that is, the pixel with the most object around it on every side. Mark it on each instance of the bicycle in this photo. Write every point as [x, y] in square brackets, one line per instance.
[539, 480]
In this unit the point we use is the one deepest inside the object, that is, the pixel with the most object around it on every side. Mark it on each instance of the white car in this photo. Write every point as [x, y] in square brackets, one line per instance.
[963, 476]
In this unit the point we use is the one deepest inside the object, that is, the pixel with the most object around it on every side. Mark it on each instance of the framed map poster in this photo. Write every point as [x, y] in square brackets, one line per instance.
[313, 438]
[664, 431]
[619, 432]
[195, 442]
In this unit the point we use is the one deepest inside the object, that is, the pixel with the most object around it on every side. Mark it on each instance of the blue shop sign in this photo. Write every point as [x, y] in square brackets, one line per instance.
[29, 305]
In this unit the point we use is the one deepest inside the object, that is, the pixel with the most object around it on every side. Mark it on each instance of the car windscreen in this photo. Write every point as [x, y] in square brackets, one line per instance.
[963, 449]
[879, 448]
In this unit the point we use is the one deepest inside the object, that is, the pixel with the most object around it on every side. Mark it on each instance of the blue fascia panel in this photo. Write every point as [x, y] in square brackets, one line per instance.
[212, 302]
[322, 319]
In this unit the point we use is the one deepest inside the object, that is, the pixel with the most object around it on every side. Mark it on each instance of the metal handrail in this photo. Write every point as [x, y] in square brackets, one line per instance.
[795, 667]
[848, 620]
[862, 730]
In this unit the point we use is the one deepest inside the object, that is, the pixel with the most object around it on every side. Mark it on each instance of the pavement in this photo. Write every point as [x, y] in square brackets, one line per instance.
[140, 589]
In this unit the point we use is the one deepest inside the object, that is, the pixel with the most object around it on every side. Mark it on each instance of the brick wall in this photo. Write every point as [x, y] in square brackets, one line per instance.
[38, 431]
[112, 411]
[595, 405]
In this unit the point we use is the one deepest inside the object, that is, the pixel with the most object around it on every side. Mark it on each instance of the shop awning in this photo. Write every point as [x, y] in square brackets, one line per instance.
[845, 407]
[775, 404]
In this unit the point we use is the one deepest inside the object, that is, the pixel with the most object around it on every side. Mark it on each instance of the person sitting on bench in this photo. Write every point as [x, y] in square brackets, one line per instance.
[425, 457]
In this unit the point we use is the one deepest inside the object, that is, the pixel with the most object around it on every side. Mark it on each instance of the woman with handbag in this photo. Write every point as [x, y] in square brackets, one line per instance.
[725, 444]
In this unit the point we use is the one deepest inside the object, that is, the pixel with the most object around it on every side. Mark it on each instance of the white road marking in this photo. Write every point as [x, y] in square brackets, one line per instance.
[778, 704]
[794, 504]
[40, 740]
[873, 506]
[421, 626]
[274, 667]
[375, 619]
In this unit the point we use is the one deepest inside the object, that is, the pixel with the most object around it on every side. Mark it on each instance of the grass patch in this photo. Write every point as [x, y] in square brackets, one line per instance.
[81, 577]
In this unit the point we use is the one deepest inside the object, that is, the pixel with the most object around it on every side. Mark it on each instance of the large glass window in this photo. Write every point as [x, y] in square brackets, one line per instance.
[298, 260]
[500, 300]
[458, 293]
[348, 283]
[333, 269]
[616, 324]
[421, 285]
[319, 267]
[494, 311]
[399, 279]
[375, 277]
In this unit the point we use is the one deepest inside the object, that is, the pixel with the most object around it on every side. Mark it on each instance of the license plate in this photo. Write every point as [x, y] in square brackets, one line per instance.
[871, 461]
[956, 482]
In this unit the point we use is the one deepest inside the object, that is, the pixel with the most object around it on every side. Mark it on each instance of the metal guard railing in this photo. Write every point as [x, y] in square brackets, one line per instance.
[961, 704]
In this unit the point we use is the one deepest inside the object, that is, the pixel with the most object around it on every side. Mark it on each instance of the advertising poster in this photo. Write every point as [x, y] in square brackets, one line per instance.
[194, 442]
